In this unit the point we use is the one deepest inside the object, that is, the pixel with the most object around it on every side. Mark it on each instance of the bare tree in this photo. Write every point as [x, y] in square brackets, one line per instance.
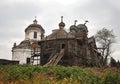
[105, 38]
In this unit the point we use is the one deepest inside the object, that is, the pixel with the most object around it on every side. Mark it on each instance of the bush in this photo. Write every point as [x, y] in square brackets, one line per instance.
[28, 74]
[110, 77]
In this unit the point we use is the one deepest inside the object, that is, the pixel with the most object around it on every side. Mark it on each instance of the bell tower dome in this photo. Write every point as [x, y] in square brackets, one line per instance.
[34, 31]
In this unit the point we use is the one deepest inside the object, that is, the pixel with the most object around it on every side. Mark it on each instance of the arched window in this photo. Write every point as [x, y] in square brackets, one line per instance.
[35, 34]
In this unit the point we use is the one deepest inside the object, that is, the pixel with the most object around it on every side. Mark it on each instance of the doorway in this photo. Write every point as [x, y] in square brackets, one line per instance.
[63, 46]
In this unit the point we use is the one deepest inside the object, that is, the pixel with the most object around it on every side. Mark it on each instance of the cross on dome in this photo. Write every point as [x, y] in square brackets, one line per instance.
[61, 18]
[86, 21]
[75, 22]
[35, 21]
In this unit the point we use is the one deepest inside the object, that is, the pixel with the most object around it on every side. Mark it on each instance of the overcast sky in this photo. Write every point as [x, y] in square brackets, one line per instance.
[16, 15]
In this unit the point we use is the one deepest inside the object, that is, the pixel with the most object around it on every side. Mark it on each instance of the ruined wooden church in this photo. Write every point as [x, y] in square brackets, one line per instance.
[61, 47]
[72, 48]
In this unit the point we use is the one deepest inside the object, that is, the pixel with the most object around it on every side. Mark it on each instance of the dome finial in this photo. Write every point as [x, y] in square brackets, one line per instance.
[61, 24]
[61, 18]
[86, 21]
[75, 22]
[35, 21]
[35, 17]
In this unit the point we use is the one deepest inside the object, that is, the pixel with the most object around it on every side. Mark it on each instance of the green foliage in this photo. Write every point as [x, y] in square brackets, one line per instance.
[21, 72]
[28, 74]
[113, 62]
[118, 64]
[110, 77]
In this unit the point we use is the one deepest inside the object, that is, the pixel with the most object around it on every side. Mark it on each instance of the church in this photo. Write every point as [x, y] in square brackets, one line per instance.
[61, 47]
[22, 52]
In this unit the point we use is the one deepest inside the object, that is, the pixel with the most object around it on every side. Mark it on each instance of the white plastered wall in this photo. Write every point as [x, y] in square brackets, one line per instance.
[30, 34]
[21, 55]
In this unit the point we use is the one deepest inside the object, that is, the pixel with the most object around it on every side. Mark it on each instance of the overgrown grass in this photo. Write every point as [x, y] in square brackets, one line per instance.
[28, 74]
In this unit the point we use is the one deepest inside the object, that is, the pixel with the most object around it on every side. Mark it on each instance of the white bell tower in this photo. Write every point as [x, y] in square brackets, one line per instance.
[34, 31]
[21, 52]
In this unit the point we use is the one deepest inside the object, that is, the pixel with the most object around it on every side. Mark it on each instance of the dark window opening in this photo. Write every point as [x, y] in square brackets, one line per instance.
[63, 46]
[28, 60]
[35, 34]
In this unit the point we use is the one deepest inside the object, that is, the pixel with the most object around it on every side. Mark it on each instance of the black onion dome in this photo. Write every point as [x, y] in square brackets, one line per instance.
[73, 27]
[62, 24]
[82, 27]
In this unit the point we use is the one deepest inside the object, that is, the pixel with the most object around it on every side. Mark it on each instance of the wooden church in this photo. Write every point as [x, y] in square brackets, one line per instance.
[72, 48]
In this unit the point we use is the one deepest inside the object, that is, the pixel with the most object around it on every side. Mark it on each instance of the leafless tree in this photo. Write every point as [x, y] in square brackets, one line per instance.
[105, 38]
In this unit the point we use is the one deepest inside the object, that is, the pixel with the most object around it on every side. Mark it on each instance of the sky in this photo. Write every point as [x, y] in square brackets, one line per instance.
[16, 15]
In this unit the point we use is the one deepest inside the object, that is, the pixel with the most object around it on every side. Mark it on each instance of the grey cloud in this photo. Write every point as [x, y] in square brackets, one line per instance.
[16, 16]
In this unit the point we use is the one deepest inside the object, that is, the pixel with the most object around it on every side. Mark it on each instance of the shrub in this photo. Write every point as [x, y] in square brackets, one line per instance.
[28, 74]
[110, 77]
